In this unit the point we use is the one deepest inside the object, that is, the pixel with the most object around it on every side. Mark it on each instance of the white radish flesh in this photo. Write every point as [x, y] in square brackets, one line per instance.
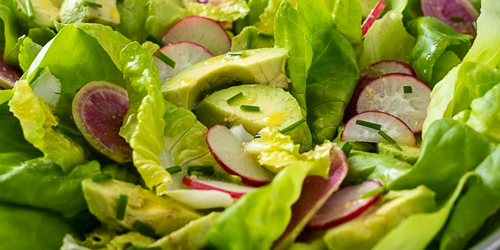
[235, 190]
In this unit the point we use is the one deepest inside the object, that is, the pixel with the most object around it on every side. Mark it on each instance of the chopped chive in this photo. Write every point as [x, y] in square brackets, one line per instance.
[203, 170]
[257, 136]
[407, 89]
[293, 126]
[457, 19]
[389, 139]
[372, 193]
[101, 177]
[227, 177]
[29, 10]
[250, 108]
[250, 39]
[144, 228]
[369, 124]
[167, 60]
[121, 206]
[142, 248]
[92, 4]
[155, 40]
[264, 35]
[236, 53]
[174, 169]
[68, 130]
[347, 148]
[234, 98]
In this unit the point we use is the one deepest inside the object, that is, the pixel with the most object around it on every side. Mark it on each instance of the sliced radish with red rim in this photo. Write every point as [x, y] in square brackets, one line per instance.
[403, 96]
[366, 127]
[458, 14]
[374, 14]
[203, 183]
[229, 152]
[345, 204]
[201, 30]
[184, 54]
[8, 75]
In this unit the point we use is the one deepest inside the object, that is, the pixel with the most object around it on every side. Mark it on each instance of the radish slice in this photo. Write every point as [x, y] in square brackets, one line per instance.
[201, 199]
[8, 75]
[389, 124]
[345, 204]
[201, 30]
[374, 14]
[387, 94]
[184, 54]
[315, 192]
[458, 14]
[236, 191]
[228, 151]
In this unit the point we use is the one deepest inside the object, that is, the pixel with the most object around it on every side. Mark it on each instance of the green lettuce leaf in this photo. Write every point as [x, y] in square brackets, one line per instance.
[5, 95]
[133, 15]
[27, 53]
[29, 228]
[37, 122]
[433, 39]
[387, 39]
[162, 14]
[222, 10]
[251, 38]
[267, 18]
[257, 219]
[364, 166]
[485, 115]
[10, 30]
[442, 162]
[256, 7]
[347, 17]
[478, 78]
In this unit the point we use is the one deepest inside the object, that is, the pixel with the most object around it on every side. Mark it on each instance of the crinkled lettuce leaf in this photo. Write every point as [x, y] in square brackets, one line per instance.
[267, 18]
[162, 14]
[10, 30]
[251, 38]
[257, 219]
[433, 39]
[485, 115]
[27, 53]
[347, 17]
[387, 39]
[220, 10]
[371, 166]
[37, 122]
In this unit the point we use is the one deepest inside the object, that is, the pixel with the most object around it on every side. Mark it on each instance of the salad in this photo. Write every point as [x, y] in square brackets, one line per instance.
[249, 124]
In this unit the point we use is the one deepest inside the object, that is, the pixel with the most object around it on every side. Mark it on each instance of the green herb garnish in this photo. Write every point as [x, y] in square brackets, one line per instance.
[203, 170]
[250, 108]
[101, 177]
[293, 126]
[121, 206]
[155, 40]
[389, 139]
[347, 148]
[174, 169]
[92, 4]
[167, 60]
[407, 89]
[29, 10]
[250, 39]
[264, 35]
[457, 19]
[236, 53]
[144, 228]
[369, 124]
[234, 98]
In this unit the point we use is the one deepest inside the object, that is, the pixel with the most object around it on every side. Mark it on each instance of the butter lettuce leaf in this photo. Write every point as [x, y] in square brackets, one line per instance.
[347, 16]
[267, 18]
[221, 10]
[485, 115]
[257, 219]
[9, 30]
[251, 38]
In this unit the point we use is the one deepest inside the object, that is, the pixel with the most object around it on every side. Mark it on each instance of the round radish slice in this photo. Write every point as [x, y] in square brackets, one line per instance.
[236, 191]
[374, 14]
[403, 96]
[228, 151]
[184, 54]
[201, 30]
[458, 14]
[344, 205]
[366, 127]
[8, 75]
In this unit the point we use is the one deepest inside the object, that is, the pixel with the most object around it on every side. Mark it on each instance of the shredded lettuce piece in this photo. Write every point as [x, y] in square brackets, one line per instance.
[221, 10]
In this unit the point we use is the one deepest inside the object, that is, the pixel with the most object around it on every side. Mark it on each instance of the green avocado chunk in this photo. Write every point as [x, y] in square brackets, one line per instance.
[364, 231]
[408, 153]
[159, 213]
[278, 109]
[93, 11]
[45, 13]
[259, 66]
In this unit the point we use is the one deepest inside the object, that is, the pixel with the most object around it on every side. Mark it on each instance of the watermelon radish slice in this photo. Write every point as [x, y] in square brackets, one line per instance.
[201, 30]
[184, 54]
[374, 14]
[228, 151]
[235, 190]
[403, 96]
[98, 110]
[8, 75]
[315, 192]
[458, 14]
[345, 204]
[366, 127]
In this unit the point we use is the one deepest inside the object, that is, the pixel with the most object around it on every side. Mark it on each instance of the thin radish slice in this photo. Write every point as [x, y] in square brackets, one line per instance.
[359, 128]
[229, 152]
[374, 14]
[315, 192]
[8, 75]
[184, 54]
[201, 199]
[201, 30]
[241, 133]
[458, 14]
[236, 191]
[403, 96]
[345, 204]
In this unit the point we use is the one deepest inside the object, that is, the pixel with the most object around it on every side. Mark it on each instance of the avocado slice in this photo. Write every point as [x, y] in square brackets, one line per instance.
[406, 153]
[278, 109]
[258, 66]
[160, 213]
[364, 231]
[79, 11]
[46, 12]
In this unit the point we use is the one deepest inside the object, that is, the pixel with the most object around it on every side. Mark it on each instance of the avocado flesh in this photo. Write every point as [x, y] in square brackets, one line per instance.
[190, 237]
[408, 153]
[161, 213]
[278, 109]
[364, 231]
[259, 66]
[75, 11]
[46, 13]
